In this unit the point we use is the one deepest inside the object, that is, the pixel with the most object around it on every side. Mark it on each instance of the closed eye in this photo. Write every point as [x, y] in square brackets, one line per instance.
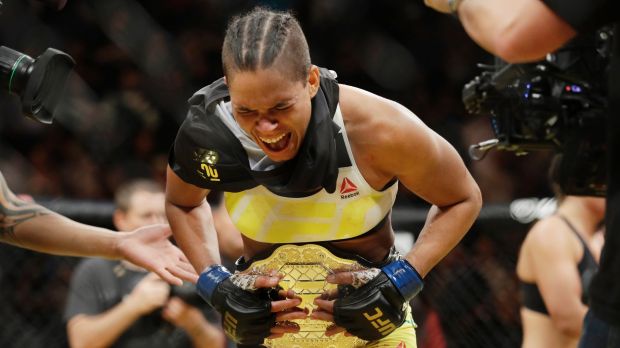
[283, 107]
[244, 111]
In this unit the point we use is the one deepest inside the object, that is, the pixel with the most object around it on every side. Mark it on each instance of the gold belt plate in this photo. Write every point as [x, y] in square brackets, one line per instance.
[305, 268]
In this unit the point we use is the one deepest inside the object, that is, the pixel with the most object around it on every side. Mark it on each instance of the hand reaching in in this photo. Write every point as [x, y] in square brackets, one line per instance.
[149, 247]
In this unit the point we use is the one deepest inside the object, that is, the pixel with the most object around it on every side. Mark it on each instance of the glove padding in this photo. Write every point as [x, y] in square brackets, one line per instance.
[246, 316]
[372, 311]
[377, 308]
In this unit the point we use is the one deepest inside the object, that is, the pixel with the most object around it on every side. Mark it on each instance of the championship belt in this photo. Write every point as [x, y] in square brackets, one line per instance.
[305, 268]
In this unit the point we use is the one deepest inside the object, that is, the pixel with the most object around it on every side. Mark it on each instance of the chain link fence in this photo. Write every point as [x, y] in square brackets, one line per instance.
[470, 298]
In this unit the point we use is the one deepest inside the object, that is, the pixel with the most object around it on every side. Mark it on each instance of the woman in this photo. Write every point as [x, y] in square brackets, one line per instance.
[305, 161]
[556, 263]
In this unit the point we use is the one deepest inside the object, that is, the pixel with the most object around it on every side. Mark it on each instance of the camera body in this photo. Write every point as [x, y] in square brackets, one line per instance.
[187, 292]
[557, 104]
[39, 82]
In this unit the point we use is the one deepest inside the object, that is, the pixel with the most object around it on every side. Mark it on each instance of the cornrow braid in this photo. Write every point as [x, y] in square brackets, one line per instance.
[277, 36]
[238, 33]
[259, 38]
[252, 42]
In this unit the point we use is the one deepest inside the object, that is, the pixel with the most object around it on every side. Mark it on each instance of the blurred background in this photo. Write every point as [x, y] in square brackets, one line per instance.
[137, 64]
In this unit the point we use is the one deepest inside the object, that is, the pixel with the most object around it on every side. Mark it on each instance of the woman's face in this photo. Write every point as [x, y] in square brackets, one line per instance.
[273, 108]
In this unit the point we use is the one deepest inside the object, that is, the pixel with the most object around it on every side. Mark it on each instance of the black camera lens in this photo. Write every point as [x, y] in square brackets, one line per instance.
[15, 67]
[38, 82]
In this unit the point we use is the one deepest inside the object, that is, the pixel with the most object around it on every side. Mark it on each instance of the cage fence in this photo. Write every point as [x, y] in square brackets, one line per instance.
[470, 299]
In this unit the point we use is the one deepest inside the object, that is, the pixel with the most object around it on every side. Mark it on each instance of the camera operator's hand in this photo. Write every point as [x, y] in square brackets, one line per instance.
[180, 314]
[149, 294]
[192, 321]
[245, 301]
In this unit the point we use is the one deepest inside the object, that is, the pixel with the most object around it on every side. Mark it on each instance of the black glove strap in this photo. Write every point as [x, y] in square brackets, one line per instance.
[246, 316]
[372, 311]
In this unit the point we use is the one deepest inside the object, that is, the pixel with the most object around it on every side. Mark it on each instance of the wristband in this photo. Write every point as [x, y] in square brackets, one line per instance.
[209, 280]
[406, 279]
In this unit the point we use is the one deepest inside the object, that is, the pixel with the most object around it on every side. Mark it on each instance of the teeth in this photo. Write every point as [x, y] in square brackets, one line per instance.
[272, 140]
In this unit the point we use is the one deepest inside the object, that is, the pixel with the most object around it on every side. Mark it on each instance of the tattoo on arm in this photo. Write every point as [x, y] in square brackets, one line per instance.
[14, 211]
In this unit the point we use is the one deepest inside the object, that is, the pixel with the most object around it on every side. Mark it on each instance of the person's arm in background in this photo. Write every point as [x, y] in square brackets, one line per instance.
[515, 30]
[102, 330]
[31, 226]
[553, 257]
[191, 220]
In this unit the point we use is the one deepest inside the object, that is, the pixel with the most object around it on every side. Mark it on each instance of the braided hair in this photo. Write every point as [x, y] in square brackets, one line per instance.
[261, 37]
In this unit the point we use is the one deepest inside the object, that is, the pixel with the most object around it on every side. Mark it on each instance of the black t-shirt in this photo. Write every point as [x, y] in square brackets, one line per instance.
[586, 16]
[99, 285]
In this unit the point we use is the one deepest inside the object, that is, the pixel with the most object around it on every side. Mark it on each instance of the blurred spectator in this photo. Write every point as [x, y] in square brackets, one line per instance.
[556, 264]
[115, 303]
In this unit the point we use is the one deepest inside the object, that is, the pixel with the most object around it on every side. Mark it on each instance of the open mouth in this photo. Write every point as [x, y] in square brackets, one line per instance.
[277, 143]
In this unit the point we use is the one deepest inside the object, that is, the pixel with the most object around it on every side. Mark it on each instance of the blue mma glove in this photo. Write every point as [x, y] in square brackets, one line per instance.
[246, 316]
[374, 310]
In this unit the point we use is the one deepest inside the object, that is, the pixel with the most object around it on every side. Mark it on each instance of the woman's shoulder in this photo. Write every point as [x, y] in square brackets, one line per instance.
[550, 235]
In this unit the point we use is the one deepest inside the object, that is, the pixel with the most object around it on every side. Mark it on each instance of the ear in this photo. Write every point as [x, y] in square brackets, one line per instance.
[314, 80]
[225, 81]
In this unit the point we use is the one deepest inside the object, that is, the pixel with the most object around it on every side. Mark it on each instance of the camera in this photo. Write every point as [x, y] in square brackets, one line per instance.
[187, 292]
[558, 104]
[39, 82]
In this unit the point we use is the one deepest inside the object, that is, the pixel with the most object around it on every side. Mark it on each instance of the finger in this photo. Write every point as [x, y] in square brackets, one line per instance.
[266, 282]
[278, 306]
[290, 293]
[152, 276]
[183, 258]
[325, 305]
[165, 313]
[333, 330]
[184, 274]
[284, 327]
[183, 264]
[330, 294]
[169, 311]
[344, 278]
[318, 314]
[169, 277]
[165, 228]
[174, 303]
[274, 273]
[272, 336]
[293, 314]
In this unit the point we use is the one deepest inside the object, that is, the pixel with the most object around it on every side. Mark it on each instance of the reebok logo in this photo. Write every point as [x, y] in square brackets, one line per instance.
[348, 189]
